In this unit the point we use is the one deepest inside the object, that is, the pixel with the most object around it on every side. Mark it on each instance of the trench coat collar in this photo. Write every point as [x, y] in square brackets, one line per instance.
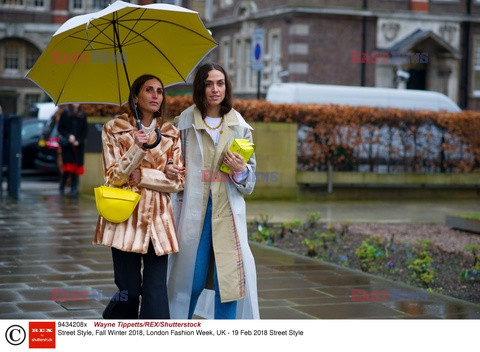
[191, 117]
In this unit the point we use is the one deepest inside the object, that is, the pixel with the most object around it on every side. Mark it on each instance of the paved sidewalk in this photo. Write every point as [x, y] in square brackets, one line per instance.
[46, 245]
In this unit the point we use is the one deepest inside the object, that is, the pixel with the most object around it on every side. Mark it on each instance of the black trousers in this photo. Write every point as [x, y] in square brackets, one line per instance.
[152, 287]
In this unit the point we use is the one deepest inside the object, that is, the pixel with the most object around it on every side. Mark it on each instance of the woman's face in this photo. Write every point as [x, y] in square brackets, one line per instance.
[150, 97]
[215, 88]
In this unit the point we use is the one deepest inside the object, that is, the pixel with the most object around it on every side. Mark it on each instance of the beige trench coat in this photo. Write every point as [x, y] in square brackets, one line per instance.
[152, 219]
[235, 263]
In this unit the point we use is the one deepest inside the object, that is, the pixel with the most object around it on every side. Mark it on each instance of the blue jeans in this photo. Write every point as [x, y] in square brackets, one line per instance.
[226, 310]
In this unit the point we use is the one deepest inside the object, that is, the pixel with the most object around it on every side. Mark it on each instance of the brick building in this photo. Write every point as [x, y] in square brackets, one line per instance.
[435, 42]
[350, 42]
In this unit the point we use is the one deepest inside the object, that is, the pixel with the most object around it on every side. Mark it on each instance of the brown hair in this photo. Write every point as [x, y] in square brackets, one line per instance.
[135, 90]
[199, 89]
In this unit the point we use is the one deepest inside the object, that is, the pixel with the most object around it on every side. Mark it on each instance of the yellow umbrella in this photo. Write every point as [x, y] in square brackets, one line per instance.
[90, 57]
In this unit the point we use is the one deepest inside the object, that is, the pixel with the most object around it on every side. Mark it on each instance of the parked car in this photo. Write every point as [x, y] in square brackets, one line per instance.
[48, 149]
[32, 129]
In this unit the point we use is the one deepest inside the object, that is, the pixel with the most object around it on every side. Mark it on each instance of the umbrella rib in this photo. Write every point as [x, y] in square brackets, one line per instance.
[136, 22]
[157, 21]
[160, 51]
[82, 31]
[115, 37]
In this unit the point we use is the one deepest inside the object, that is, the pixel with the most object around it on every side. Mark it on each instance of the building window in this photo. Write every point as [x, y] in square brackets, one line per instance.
[16, 57]
[23, 4]
[225, 55]
[276, 56]
[171, 2]
[77, 5]
[244, 76]
[248, 67]
[476, 68]
[238, 64]
[11, 56]
[12, 3]
[31, 56]
[36, 3]
[100, 4]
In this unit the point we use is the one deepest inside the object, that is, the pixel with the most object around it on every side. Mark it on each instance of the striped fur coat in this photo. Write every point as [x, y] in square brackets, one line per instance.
[153, 217]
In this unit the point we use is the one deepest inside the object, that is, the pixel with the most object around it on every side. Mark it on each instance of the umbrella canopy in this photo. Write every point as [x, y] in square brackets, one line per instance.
[91, 57]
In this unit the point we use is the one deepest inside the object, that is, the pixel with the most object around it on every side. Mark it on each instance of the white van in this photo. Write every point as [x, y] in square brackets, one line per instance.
[45, 111]
[409, 99]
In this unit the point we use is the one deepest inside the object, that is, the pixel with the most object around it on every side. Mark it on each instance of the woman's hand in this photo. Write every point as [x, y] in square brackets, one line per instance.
[234, 161]
[73, 141]
[140, 138]
[172, 171]
[134, 178]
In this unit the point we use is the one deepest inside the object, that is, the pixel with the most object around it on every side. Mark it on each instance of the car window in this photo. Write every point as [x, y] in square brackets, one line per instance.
[31, 130]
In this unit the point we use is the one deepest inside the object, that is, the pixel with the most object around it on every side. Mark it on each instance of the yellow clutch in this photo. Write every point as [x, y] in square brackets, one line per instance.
[243, 147]
[115, 204]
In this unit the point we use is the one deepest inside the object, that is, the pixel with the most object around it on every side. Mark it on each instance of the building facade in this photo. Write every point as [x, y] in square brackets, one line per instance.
[413, 44]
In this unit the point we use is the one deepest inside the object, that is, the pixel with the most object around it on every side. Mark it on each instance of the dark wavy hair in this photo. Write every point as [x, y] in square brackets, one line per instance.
[199, 89]
[136, 87]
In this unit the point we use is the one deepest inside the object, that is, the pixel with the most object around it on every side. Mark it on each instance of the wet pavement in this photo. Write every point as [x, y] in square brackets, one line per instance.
[46, 254]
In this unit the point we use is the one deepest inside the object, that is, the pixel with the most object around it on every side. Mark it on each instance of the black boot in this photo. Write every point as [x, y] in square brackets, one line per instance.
[63, 181]
[74, 188]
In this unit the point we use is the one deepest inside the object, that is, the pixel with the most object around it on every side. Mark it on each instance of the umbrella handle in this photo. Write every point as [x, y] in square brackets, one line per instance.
[154, 144]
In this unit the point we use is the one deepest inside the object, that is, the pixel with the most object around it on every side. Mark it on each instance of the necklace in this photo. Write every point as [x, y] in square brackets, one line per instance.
[213, 128]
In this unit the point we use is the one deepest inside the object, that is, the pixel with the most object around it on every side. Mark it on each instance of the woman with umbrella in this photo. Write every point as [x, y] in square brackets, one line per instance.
[215, 266]
[149, 234]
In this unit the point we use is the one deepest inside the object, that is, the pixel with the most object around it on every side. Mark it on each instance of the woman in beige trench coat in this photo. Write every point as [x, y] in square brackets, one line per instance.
[149, 234]
[210, 213]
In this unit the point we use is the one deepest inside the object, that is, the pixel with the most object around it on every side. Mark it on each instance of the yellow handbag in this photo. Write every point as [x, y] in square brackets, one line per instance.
[115, 204]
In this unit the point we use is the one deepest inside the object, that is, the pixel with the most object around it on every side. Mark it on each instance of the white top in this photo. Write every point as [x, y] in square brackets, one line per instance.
[215, 134]
[150, 128]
